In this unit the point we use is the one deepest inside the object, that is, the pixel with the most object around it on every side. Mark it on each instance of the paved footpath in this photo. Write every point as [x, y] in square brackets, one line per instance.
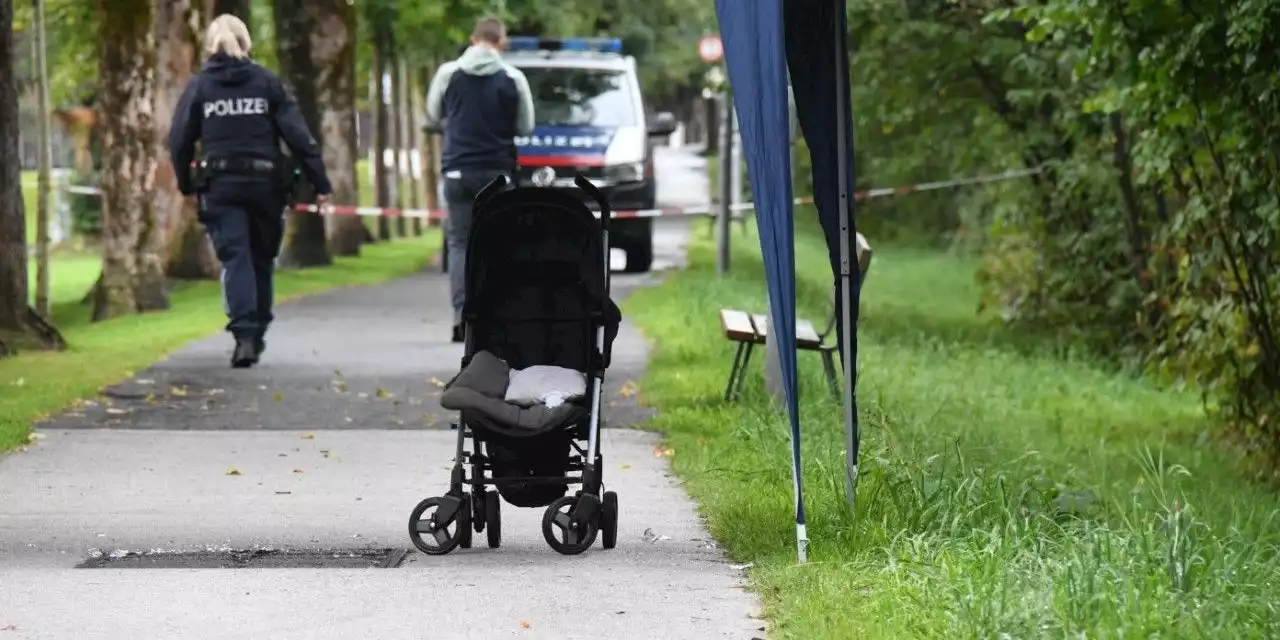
[326, 446]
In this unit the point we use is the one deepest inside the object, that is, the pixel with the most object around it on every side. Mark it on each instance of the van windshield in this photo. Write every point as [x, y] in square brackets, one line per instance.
[580, 97]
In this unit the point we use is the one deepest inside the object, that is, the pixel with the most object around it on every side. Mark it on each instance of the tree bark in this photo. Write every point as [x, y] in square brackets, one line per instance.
[132, 270]
[412, 142]
[188, 253]
[399, 137]
[383, 48]
[46, 166]
[430, 159]
[335, 56]
[298, 32]
[21, 327]
[242, 9]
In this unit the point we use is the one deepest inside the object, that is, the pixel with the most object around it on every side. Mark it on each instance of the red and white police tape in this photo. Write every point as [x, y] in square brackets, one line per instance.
[699, 210]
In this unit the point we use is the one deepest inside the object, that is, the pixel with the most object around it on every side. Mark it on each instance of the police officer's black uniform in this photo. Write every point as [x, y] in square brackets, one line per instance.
[240, 112]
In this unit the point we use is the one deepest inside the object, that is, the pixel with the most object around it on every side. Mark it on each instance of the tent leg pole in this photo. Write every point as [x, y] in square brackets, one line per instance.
[727, 161]
[847, 310]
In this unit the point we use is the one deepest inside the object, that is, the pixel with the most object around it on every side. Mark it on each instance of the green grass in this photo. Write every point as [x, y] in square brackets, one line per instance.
[1004, 492]
[34, 385]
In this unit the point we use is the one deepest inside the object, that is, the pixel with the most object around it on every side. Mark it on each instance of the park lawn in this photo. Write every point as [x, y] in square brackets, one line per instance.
[1004, 492]
[34, 385]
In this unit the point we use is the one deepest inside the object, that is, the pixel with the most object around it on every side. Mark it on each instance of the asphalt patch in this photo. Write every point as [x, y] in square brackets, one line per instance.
[249, 559]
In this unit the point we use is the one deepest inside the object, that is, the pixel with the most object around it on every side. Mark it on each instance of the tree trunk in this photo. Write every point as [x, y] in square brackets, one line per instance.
[188, 254]
[335, 56]
[410, 138]
[430, 162]
[383, 48]
[46, 166]
[399, 137]
[21, 327]
[301, 55]
[242, 9]
[132, 271]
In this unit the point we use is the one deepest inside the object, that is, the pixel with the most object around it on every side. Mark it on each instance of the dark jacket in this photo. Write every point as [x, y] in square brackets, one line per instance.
[236, 108]
[484, 104]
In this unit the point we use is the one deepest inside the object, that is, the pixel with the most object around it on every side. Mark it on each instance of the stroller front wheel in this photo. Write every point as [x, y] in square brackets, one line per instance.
[431, 522]
[562, 533]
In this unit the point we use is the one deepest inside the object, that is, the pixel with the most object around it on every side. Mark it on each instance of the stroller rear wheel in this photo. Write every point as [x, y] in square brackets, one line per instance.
[493, 518]
[609, 520]
[436, 525]
[562, 533]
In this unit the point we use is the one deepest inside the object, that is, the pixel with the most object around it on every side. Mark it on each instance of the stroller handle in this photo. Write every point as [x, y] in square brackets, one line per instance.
[591, 190]
[489, 191]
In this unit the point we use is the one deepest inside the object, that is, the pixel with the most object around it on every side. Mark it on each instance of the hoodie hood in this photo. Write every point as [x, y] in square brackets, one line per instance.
[480, 61]
[228, 71]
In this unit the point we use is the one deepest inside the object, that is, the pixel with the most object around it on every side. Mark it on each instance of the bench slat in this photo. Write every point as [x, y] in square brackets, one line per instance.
[806, 335]
[737, 326]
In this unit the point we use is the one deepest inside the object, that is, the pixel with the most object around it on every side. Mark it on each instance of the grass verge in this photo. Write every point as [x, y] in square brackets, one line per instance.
[1004, 491]
[34, 385]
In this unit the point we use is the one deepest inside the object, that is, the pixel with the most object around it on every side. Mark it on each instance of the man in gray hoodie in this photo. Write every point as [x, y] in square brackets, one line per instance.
[484, 104]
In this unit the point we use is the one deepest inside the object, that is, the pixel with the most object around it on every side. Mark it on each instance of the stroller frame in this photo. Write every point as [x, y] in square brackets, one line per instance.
[570, 523]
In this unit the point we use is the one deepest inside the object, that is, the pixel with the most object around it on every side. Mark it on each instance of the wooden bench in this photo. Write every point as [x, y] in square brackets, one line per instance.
[750, 330]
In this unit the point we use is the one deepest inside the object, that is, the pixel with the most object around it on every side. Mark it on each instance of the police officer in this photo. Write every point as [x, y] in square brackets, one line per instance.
[484, 104]
[240, 112]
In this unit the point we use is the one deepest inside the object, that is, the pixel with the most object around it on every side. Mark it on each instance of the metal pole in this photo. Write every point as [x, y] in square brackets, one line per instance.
[847, 230]
[726, 184]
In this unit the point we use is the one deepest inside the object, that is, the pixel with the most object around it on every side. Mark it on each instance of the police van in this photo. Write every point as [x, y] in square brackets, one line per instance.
[591, 119]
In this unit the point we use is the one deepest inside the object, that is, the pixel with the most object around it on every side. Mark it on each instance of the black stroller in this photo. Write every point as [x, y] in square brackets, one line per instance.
[537, 274]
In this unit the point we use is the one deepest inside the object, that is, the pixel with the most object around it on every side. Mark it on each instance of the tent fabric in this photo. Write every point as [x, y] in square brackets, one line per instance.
[762, 41]
[754, 50]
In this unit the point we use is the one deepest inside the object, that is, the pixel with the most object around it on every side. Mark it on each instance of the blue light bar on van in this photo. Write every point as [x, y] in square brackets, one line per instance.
[533, 43]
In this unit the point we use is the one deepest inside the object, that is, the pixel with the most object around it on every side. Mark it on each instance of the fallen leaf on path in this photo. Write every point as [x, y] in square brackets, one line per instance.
[278, 397]
[233, 472]
[115, 412]
[298, 471]
[150, 399]
[339, 386]
[308, 436]
[628, 389]
[626, 466]
[525, 625]
[337, 372]
[382, 393]
[663, 451]
[438, 382]
[177, 391]
[35, 435]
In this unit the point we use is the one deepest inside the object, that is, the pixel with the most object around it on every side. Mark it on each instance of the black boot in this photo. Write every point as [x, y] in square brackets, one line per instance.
[245, 355]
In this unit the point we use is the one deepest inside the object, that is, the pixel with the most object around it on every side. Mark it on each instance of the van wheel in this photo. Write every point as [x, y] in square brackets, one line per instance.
[639, 256]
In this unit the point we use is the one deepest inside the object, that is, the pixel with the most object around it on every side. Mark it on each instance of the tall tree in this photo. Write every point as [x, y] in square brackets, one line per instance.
[20, 326]
[46, 164]
[336, 92]
[132, 269]
[304, 50]
[399, 139]
[412, 140]
[189, 254]
[242, 9]
[383, 24]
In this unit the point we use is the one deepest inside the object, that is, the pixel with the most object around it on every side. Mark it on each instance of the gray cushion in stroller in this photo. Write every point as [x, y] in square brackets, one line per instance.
[480, 388]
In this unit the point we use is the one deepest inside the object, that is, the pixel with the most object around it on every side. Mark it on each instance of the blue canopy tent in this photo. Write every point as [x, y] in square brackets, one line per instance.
[762, 39]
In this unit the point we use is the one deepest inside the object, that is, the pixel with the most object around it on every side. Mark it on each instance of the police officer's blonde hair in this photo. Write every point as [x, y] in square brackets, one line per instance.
[228, 35]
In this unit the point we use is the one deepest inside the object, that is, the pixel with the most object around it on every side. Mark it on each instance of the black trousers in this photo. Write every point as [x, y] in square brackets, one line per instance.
[244, 217]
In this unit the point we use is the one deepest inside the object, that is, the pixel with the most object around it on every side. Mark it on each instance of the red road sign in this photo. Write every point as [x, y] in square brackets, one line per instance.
[710, 48]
